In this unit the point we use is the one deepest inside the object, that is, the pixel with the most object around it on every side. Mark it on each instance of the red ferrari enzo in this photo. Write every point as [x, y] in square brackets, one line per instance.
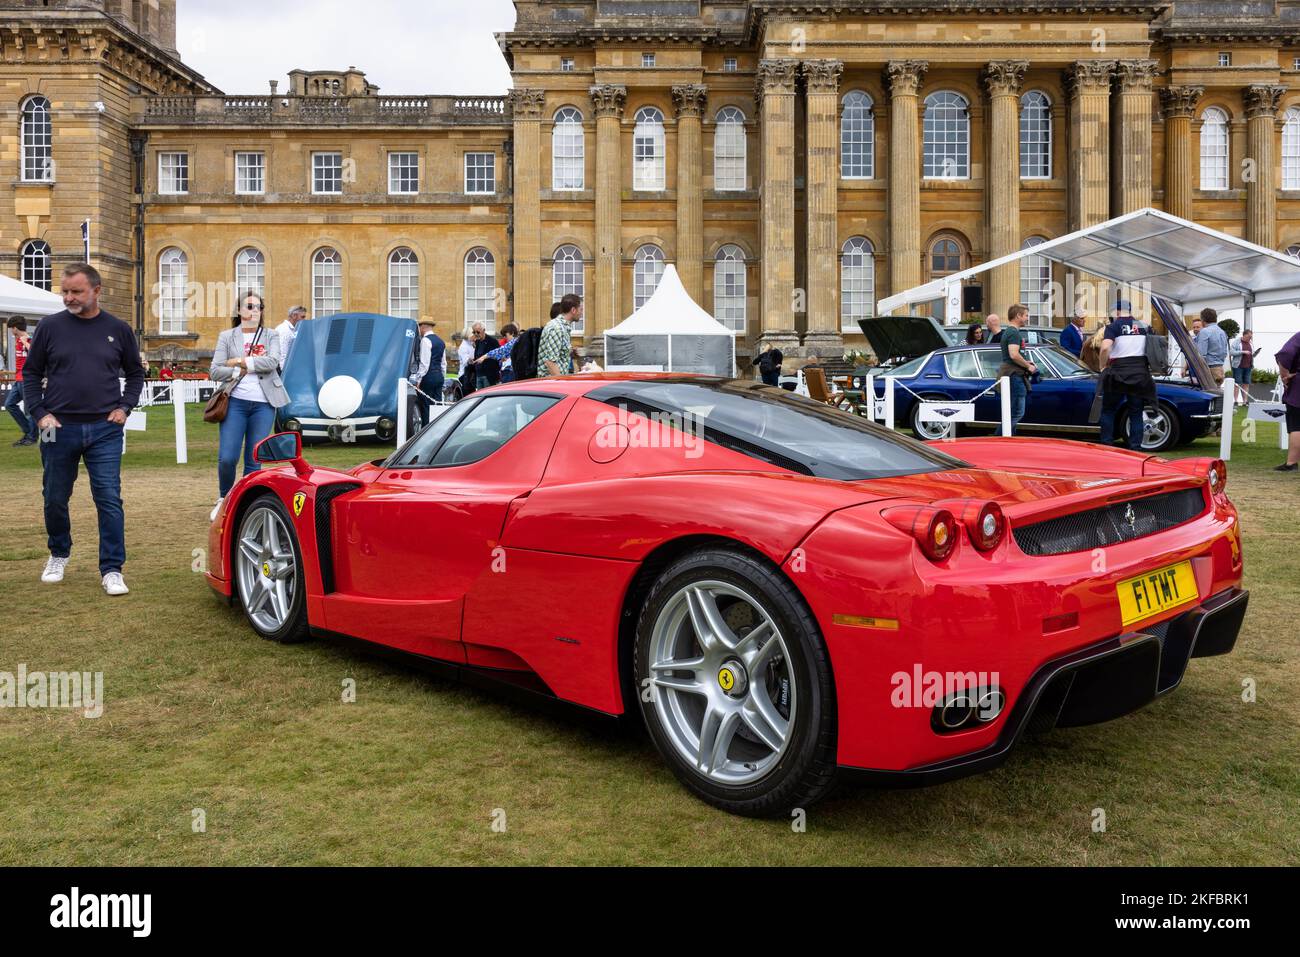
[785, 592]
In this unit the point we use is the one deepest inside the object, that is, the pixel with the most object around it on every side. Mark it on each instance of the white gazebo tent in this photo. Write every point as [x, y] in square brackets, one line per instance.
[30, 302]
[1186, 264]
[671, 333]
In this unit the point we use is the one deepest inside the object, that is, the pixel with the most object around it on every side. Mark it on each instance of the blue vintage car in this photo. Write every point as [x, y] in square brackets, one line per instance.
[372, 351]
[1059, 401]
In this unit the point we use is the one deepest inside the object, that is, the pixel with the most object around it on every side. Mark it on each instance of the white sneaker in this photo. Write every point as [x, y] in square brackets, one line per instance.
[54, 570]
[215, 509]
[114, 585]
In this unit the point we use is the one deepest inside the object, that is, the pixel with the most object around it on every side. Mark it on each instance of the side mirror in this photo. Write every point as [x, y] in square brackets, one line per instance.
[282, 447]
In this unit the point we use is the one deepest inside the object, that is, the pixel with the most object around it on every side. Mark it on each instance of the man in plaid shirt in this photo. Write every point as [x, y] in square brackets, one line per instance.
[554, 349]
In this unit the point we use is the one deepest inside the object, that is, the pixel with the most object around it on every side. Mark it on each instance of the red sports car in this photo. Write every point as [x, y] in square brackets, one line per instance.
[786, 593]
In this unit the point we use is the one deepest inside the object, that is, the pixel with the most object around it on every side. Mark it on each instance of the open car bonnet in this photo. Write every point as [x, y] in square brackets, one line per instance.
[896, 339]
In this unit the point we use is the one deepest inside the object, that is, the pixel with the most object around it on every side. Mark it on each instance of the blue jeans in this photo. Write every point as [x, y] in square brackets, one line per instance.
[246, 424]
[1113, 404]
[26, 425]
[100, 445]
[1019, 395]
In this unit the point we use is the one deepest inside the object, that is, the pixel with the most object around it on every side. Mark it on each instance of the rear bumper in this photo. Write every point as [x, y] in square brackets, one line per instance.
[1103, 681]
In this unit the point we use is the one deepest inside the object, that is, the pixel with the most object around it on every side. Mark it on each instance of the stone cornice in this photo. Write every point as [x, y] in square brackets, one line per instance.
[526, 104]
[1180, 100]
[1262, 99]
[690, 99]
[1136, 75]
[822, 76]
[1003, 77]
[903, 77]
[1089, 76]
[608, 99]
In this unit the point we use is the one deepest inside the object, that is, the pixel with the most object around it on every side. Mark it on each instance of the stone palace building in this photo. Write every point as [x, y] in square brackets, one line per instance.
[795, 161]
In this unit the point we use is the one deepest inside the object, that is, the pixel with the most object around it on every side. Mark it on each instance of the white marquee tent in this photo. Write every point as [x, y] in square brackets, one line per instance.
[20, 299]
[672, 333]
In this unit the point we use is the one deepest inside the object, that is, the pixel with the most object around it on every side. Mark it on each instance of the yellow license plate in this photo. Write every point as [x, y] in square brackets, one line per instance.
[1156, 591]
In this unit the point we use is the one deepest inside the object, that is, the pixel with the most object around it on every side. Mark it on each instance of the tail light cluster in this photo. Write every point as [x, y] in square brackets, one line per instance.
[1217, 475]
[935, 527]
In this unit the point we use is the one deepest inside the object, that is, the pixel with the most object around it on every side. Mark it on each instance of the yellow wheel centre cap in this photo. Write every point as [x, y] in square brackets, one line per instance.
[266, 569]
[732, 679]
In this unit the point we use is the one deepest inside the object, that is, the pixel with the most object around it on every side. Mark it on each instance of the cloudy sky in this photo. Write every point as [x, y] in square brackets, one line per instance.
[404, 46]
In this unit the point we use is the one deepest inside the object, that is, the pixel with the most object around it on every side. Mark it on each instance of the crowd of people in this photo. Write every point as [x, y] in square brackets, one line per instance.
[70, 401]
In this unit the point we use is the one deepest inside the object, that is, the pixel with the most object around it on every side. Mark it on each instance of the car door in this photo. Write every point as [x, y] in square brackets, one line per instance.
[411, 542]
[988, 407]
[1065, 393]
[1045, 402]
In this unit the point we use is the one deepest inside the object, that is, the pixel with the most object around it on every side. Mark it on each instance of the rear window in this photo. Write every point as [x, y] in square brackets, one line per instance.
[776, 426]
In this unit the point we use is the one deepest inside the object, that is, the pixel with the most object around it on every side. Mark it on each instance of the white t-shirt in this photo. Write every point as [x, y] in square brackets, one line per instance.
[466, 353]
[249, 386]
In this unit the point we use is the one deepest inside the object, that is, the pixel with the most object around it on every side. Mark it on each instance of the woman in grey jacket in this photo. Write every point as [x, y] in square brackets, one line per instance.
[249, 354]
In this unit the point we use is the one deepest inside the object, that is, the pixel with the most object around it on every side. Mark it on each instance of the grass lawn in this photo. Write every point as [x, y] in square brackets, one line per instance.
[201, 714]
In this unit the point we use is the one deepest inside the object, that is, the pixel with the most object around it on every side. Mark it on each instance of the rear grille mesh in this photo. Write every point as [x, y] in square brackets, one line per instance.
[1098, 527]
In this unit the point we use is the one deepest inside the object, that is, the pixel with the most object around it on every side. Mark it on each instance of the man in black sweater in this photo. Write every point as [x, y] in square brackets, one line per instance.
[71, 388]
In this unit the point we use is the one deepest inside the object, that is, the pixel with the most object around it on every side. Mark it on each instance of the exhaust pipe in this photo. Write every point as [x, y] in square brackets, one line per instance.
[956, 712]
[989, 705]
[967, 708]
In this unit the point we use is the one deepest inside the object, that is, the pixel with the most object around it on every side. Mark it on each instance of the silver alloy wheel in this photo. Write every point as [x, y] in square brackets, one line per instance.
[933, 431]
[1155, 428]
[723, 689]
[268, 571]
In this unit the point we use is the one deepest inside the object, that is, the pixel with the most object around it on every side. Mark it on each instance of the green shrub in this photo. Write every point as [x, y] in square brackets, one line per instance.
[1263, 375]
[1230, 328]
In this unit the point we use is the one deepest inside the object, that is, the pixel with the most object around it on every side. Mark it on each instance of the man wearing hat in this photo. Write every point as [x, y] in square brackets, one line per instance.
[1126, 381]
[431, 369]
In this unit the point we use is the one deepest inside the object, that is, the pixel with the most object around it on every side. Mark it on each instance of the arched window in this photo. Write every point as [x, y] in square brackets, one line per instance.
[567, 277]
[1036, 284]
[326, 282]
[403, 283]
[729, 149]
[173, 278]
[36, 264]
[947, 136]
[648, 163]
[1214, 149]
[37, 136]
[480, 289]
[857, 137]
[647, 270]
[1035, 136]
[250, 271]
[945, 257]
[729, 288]
[567, 150]
[1293, 250]
[857, 283]
[1291, 149]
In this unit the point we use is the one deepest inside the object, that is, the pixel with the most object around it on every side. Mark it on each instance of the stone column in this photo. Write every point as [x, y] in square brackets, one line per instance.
[1179, 105]
[690, 100]
[775, 93]
[1261, 189]
[822, 83]
[1002, 196]
[903, 77]
[1131, 183]
[1088, 83]
[526, 108]
[604, 299]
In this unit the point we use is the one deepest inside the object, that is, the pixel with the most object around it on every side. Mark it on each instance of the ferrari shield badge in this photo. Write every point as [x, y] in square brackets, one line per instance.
[299, 498]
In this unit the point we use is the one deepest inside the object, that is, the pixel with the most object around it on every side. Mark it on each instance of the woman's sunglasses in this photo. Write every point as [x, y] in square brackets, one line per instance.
[252, 305]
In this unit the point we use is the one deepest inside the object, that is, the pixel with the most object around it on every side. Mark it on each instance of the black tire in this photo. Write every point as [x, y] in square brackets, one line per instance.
[293, 628]
[1171, 426]
[413, 424]
[918, 428]
[804, 770]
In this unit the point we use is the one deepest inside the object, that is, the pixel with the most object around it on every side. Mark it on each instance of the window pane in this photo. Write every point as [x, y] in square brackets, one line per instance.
[646, 273]
[404, 172]
[480, 173]
[38, 138]
[250, 172]
[36, 265]
[1035, 136]
[1291, 149]
[648, 162]
[250, 272]
[326, 283]
[1036, 285]
[857, 137]
[729, 150]
[567, 150]
[857, 283]
[1214, 149]
[173, 172]
[946, 136]
[480, 289]
[327, 172]
[729, 288]
[173, 277]
[567, 277]
[404, 284]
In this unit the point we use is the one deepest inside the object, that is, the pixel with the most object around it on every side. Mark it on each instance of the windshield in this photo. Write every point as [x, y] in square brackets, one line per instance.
[779, 427]
[1064, 363]
[909, 369]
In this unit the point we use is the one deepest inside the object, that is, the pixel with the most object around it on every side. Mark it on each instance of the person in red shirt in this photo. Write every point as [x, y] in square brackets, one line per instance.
[21, 343]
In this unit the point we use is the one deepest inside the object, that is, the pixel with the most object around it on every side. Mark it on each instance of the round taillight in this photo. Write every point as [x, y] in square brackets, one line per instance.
[934, 529]
[1218, 476]
[989, 527]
